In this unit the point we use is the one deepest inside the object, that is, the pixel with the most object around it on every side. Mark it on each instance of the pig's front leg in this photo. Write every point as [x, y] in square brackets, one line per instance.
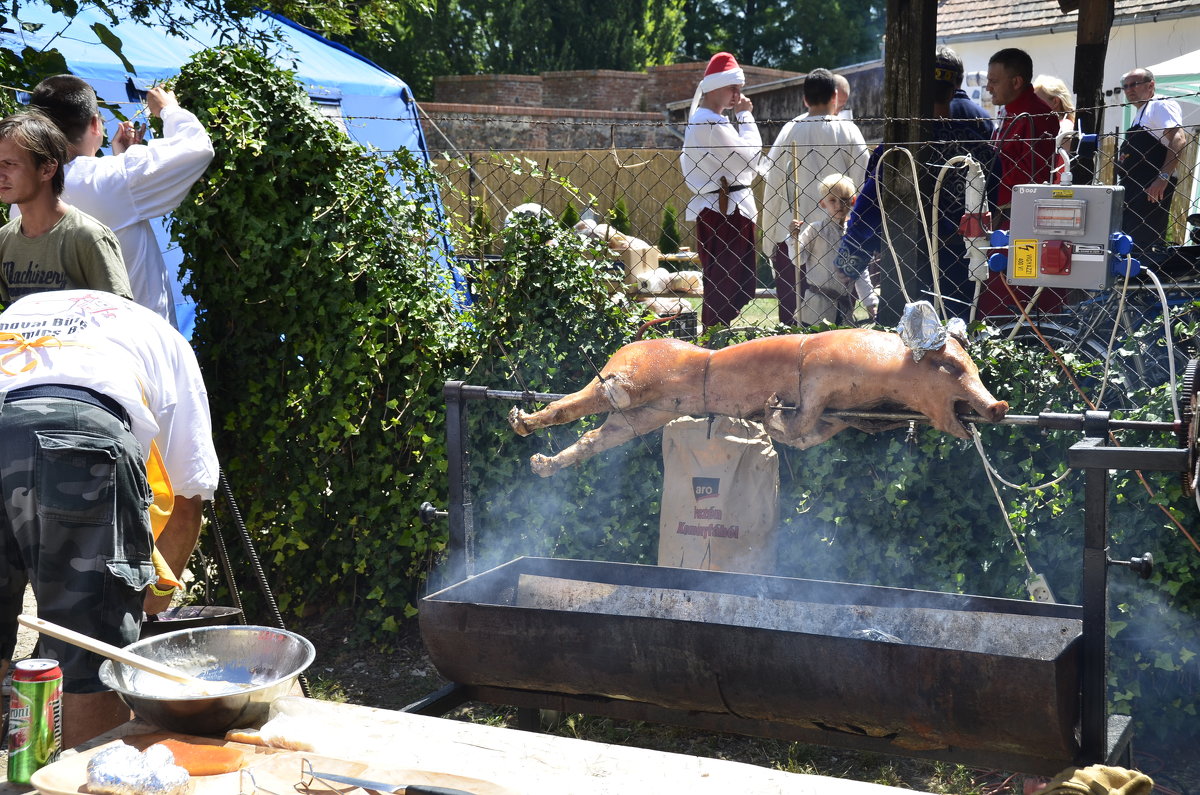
[589, 400]
[802, 426]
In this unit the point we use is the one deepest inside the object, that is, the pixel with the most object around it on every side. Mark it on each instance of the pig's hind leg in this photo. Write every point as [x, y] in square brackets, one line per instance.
[619, 428]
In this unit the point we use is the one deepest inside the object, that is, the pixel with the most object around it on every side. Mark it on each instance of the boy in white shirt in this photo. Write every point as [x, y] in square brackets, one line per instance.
[825, 292]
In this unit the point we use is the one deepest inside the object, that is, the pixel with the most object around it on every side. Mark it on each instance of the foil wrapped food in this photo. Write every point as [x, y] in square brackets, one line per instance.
[922, 331]
[124, 770]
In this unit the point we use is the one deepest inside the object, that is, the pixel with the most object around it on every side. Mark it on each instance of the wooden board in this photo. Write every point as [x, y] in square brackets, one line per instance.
[68, 776]
[267, 771]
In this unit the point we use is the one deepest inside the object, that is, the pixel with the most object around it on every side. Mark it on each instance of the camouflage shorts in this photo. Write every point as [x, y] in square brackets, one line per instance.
[75, 524]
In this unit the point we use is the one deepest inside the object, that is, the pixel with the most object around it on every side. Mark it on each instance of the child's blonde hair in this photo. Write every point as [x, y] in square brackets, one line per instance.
[839, 186]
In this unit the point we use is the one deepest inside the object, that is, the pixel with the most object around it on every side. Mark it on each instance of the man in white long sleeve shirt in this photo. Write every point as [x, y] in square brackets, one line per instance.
[808, 149]
[138, 182]
[719, 162]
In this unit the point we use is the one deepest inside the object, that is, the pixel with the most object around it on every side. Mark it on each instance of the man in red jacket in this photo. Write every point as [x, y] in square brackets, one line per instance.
[1024, 142]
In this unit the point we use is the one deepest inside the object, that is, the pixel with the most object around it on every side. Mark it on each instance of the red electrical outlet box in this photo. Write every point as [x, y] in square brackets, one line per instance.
[1056, 257]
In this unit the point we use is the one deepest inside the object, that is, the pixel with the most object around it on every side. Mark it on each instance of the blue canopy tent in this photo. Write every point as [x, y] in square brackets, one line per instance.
[375, 108]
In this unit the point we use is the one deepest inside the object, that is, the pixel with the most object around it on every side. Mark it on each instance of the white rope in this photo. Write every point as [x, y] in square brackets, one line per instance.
[1112, 338]
[993, 471]
[1166, 316]
[987, 470]
[883, 213]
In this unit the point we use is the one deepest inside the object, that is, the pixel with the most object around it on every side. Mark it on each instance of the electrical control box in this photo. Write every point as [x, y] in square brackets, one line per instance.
[1060, 235]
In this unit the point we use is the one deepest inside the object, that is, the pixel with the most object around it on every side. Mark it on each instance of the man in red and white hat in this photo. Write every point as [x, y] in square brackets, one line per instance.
[719, 162]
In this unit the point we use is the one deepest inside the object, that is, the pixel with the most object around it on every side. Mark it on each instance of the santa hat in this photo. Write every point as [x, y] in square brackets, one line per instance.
[723, 70]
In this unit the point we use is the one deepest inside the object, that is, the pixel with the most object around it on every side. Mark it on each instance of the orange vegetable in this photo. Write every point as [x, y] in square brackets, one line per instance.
[204, 760]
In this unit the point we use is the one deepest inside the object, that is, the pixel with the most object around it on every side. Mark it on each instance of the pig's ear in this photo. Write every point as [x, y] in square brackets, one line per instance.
[956, 328]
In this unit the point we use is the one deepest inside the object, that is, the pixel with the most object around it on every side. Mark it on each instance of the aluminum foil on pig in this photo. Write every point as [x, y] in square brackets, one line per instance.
[922, 331]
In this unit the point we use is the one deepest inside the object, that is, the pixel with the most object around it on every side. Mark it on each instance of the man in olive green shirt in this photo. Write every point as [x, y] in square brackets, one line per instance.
[51, 245]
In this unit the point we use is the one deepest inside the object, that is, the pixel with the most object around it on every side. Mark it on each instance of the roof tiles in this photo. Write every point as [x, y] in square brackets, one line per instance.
[970, 17]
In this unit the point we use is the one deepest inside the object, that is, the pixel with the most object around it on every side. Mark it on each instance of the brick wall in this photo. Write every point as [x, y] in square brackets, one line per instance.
[784, 99]
[470, 127]
[594, 89]
[524, 90]
[775, 105]
[675, 82]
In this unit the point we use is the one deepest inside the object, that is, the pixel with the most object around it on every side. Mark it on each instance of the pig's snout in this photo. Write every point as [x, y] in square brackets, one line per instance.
[996, 411]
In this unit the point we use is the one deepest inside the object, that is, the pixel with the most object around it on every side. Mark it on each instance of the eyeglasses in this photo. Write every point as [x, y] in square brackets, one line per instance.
[1133, 84]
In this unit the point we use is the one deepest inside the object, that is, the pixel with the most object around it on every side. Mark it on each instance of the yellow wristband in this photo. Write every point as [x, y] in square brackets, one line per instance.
[154, 589]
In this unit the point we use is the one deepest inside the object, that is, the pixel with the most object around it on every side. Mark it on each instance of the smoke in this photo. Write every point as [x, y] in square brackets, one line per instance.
[603, 509]
[1154, 660]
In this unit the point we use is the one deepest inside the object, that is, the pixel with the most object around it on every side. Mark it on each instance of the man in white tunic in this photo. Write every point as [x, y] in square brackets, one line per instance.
[138, 182]
[719, 162]
[808, 149]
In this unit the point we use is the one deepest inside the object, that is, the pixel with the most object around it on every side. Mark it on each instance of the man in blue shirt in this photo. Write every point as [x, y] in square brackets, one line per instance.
[961, 127]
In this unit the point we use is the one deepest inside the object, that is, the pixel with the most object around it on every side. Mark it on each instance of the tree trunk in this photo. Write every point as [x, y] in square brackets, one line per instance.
[909, 50]
[1091, 50]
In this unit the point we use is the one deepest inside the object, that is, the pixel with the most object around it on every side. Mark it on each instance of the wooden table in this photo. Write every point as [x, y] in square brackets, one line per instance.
[524, 762]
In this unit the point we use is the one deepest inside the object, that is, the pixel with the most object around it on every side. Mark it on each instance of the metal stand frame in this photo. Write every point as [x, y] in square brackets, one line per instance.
[1103, 738]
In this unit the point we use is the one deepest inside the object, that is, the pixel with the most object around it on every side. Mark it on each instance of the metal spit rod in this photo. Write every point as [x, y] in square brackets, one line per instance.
[1047, 419]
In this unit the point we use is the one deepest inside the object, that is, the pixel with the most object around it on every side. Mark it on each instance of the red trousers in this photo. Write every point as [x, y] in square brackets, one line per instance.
[785, 284]
[727, 257]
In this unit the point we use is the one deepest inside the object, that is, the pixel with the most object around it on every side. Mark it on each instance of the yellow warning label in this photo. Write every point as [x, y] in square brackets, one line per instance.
[1062, 193]
[1025, 253]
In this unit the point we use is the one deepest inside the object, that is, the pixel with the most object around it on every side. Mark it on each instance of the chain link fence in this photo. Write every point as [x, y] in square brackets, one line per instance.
[805, 252]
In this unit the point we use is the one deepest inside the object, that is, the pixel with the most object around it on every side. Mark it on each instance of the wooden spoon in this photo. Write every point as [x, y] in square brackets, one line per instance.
[114, 652]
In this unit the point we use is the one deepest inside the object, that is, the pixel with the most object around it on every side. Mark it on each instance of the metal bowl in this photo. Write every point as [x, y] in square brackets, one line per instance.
[265, 660]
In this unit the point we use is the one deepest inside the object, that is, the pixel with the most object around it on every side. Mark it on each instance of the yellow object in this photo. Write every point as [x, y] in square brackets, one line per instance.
[14, 345]
[1099, 780]
[161, 505]
[1025, 259]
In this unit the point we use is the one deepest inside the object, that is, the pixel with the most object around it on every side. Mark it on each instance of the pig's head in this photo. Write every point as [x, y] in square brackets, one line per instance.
[957, 374]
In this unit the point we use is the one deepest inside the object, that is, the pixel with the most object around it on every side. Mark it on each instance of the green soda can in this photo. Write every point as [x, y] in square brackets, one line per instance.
[34, 718]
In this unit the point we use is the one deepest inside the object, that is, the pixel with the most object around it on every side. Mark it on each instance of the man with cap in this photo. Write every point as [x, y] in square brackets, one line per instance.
[105, 445]
[719, 161]
[960, 127]
[1148, 158]
[808, 149]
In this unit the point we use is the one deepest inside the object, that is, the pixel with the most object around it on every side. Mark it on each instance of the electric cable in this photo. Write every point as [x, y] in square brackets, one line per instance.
[1166, 316]
[1000, 501]
[883, 214]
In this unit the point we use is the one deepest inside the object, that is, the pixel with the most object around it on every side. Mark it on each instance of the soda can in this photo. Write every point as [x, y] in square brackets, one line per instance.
[34, 718]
